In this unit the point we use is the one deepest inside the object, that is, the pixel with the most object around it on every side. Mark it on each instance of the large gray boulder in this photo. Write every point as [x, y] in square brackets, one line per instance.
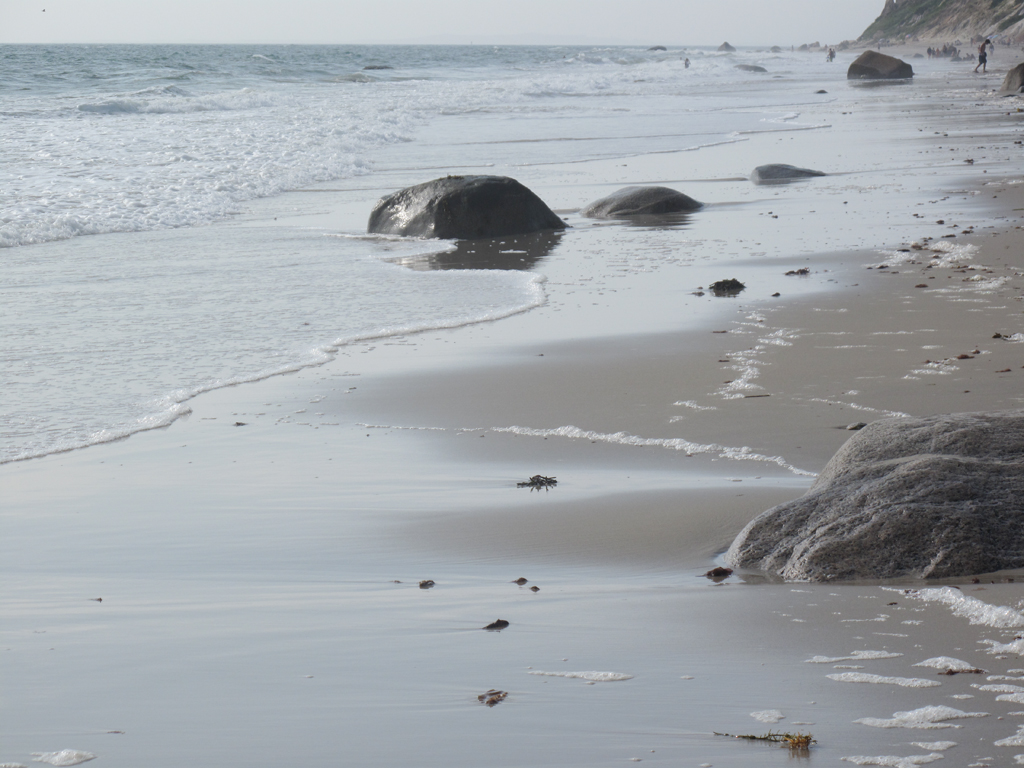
[872, 65]
[640, 201]
[726, 48]
[1014, 80]
[937, 497]
[750, 68]
[780, 173]
[463, 208]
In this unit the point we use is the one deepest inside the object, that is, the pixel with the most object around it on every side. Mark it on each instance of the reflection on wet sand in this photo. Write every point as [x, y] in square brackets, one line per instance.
[513, 252]
[659, 221]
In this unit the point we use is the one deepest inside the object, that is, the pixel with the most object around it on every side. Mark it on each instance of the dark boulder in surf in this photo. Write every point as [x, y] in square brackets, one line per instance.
[463, 208]
[780, 173]
[726, 48]
[872, 65]
[937, 497]
[657, 48]
[640, 201]
[751, 68]
[1014, 80]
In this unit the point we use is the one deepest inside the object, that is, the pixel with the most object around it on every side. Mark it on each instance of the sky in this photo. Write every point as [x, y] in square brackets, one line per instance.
[586, 22]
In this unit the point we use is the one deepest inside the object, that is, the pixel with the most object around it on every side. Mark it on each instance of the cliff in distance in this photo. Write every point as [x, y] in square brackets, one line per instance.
[948, 20]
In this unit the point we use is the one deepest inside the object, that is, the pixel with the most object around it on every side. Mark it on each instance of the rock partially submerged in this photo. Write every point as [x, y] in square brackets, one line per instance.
[872, 65]
[726, 48]
[937, 497]
[1014, 80]
[780, 173]
[641, 201]
[751, 68]
[463, 208]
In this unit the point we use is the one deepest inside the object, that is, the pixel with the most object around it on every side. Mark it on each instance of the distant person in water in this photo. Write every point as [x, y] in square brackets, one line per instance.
[686, 63]
[982, 57]
[831, 54]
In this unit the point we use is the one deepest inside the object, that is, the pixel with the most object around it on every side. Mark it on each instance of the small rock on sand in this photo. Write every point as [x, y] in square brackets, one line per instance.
[730, 287]
[781, 173]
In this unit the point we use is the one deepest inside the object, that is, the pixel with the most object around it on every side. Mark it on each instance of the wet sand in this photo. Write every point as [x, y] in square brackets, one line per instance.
[259, 563]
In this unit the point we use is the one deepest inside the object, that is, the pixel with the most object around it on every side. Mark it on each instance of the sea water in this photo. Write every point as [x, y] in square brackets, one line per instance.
[128, 287]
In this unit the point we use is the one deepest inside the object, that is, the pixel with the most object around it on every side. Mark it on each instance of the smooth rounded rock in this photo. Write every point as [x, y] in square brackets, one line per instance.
[463, 208]
[938, 497]
[872, 65]
[781, 173]
[641, 201]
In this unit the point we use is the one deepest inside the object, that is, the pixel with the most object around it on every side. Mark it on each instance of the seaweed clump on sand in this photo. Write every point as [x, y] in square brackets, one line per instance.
[492, 697]
[795, 741]
[538, 481]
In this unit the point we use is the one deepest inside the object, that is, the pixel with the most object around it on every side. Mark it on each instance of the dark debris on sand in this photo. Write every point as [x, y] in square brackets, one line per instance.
[728, 287]
[538, 481]
[492, 697]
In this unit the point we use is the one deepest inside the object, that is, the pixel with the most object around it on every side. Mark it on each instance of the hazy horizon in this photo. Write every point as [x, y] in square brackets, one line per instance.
[529, 22]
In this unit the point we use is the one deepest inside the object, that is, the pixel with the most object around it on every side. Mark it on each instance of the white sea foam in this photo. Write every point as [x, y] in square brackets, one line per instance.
[1017, 740]
[893, 761]
[671, 443]
[926, 718]
[966, 606]
[881, 618]
[934, 746]
[1016, 698]
[597, 677]
[863, 677]
[855, 656]
[695, 406]
[999, 688]
[945, 662]
[768, 716]
[64, 757]
[996, 648]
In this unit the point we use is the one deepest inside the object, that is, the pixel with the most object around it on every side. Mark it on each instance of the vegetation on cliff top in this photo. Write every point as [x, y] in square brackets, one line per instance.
[940, 19]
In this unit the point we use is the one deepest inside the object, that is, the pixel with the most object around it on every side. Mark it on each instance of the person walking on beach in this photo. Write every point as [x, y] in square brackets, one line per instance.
[982, 57]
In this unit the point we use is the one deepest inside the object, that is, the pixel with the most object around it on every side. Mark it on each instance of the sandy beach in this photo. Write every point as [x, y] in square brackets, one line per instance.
[243, 587]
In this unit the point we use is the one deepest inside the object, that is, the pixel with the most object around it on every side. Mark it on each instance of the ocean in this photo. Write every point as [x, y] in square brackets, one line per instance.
[126, 290]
